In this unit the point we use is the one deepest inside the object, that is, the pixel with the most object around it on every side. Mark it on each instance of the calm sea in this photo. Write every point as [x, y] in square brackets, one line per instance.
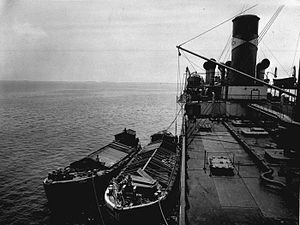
[45, 125]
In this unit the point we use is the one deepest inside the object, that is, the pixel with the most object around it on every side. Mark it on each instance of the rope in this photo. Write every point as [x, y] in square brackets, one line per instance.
[97, 202]
[263, 53]
[183, 82]
[178, 93]
[162, 213]
[275, 58]
[296, 49]
[217, 26]
[177, 88]
[178, 81]
[269, 24]
[227, 55]
[191, 63]
[175, 118]
[225, 47]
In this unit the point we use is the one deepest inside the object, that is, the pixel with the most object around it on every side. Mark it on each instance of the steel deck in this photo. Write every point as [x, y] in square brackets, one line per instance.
[238, 199]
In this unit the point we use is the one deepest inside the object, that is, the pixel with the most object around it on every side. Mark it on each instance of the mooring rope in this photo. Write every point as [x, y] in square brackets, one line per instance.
[175, 118]
[97, 202]
[162, 213]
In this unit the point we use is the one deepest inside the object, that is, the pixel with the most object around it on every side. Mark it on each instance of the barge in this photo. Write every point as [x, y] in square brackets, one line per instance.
[143, 189]
[80, 185]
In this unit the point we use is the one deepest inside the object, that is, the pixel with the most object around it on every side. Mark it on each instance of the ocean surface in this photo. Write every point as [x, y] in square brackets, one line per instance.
[46, 125]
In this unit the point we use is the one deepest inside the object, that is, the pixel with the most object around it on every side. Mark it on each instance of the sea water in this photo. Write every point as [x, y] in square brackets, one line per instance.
[46, 125]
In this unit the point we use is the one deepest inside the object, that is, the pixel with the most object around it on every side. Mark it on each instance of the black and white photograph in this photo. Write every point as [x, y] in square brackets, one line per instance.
[140, 112]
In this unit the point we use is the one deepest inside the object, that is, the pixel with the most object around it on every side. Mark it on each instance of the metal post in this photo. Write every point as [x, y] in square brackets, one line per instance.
[204, 167]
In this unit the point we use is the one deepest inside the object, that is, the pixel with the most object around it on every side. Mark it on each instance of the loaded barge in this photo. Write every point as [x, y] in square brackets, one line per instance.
[144, 189]
[80, 186]
[240, 160]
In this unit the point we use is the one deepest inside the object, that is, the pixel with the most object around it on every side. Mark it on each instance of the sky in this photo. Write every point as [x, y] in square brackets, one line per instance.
[134, 40]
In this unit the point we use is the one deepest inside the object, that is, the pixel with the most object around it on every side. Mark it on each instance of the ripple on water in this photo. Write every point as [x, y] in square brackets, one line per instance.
[62, 122]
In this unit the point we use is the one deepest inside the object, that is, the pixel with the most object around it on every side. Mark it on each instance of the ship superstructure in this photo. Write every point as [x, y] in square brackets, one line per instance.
[240, 160]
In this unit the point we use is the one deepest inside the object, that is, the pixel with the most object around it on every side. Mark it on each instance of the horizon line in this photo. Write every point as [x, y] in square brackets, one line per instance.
[87, 81]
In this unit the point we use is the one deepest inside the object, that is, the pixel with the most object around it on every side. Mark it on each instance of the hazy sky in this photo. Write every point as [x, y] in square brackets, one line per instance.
[133, 40]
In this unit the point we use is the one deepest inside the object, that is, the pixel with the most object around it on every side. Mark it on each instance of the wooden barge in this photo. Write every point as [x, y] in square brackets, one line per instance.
[79, 185]
[141, 191]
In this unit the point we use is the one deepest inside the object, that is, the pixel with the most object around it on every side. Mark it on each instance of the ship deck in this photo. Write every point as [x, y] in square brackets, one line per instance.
[238, 199]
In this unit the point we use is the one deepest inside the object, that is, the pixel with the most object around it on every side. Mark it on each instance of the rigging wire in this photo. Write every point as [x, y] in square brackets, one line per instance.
[227, 55]
[296, 49]
[191, 39]
[183, 81]
[263, 53]
[269, 24]
[183, 74]
[275, 58]
[177, 114]
[226, 47]
[191, 63]
[177, 91]
[178, 74]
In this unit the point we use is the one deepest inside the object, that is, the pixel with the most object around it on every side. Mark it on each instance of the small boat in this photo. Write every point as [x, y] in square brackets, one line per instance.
[142, 189]
[74, 187]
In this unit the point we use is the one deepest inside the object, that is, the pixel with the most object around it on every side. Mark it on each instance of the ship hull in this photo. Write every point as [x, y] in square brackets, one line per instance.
[151, 213]
[80, 195]
[145, 201]
[80, 186]
[141, 214]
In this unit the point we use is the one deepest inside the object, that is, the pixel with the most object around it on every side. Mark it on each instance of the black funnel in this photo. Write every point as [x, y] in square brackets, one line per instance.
[244, 48]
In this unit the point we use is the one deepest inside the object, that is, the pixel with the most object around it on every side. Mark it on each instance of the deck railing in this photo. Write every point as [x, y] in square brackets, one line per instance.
[182, 176]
